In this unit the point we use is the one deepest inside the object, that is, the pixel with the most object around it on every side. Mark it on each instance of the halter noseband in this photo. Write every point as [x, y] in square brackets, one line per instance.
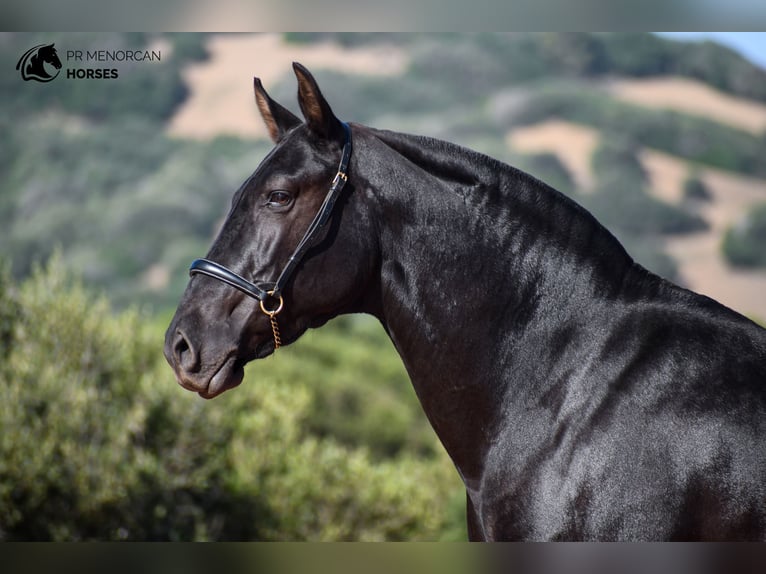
[266, 291]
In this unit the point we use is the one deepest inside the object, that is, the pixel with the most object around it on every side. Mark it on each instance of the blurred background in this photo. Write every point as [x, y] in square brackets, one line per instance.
[109, 188]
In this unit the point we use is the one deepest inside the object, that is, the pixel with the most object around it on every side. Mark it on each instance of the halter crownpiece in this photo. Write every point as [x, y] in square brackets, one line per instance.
[265, 291]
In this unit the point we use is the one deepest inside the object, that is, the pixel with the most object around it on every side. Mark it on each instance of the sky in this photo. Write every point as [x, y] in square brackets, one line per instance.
[752, 45]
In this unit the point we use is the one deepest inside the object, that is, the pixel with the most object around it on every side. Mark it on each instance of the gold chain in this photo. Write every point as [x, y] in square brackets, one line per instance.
[275, 330]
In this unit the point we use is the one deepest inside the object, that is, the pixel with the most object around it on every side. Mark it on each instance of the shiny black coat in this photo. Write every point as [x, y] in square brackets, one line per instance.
[580, 396]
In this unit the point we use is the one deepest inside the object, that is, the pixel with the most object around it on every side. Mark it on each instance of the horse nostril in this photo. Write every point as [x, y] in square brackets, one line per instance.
[185, 355]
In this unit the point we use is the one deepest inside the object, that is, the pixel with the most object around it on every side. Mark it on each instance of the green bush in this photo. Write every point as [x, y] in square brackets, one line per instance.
[99, 443]
[618, 157]
[695, 189]
[9, 310]
[639, 54]
[360, 394]
[744, 244]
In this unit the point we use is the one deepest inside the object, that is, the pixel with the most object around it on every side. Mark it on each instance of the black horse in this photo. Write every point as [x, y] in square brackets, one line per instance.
[579, 395]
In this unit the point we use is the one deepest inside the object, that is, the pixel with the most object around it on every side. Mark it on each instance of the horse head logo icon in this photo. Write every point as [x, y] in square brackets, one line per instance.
[33, 63]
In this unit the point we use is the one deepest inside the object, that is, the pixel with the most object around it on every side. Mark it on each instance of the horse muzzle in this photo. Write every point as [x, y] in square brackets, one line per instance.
[210, 381]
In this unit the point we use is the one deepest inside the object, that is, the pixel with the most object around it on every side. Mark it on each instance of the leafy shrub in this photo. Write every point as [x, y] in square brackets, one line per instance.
[639, 54]
[575, 54]
[360, 394]
[100, 443]
[616, 160]
[695, 189]
[744, 244]
[8, 310]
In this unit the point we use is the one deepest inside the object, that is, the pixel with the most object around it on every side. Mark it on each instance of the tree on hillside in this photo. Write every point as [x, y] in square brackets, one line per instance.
[744, 244]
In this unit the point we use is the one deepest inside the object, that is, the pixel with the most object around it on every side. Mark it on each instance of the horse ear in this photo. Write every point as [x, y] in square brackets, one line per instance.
[319, 116]
[279, 120]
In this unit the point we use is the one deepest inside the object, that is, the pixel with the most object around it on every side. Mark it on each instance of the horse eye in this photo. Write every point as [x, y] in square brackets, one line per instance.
[279, 199]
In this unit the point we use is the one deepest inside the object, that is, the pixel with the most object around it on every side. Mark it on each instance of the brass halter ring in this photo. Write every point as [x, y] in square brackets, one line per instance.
[275, 311]
[272, 315]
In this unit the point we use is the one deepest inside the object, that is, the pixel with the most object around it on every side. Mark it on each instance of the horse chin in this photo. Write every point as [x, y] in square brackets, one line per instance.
[230, 375]
[267, 348]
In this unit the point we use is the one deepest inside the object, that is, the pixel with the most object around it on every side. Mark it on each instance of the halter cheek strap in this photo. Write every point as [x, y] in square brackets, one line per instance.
[265, 291]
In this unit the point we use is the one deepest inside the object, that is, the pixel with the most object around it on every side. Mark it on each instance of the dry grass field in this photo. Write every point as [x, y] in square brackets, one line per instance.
[221, 99]
[692, 97]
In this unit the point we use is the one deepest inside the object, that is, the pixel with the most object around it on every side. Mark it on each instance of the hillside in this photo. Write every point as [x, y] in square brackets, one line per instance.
[693, 97]
[701, 266]
[221, 98]
[700, 263]
[188, 129]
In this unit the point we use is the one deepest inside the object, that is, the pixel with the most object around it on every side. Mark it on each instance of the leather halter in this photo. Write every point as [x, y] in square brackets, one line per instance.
[264, 291]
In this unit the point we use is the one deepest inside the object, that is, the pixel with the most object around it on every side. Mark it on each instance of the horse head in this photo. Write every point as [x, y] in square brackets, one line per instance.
[49, 55]
[217, 329]
[32, 63]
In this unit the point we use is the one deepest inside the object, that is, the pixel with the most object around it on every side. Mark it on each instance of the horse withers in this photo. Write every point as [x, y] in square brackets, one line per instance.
[580, 396]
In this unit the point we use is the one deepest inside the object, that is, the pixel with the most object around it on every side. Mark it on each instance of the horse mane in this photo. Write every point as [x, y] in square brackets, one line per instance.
[442, 159]
[509, 193]
[463, 168]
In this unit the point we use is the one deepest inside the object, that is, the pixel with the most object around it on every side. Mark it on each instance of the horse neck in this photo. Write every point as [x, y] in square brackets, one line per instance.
[473, 252]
